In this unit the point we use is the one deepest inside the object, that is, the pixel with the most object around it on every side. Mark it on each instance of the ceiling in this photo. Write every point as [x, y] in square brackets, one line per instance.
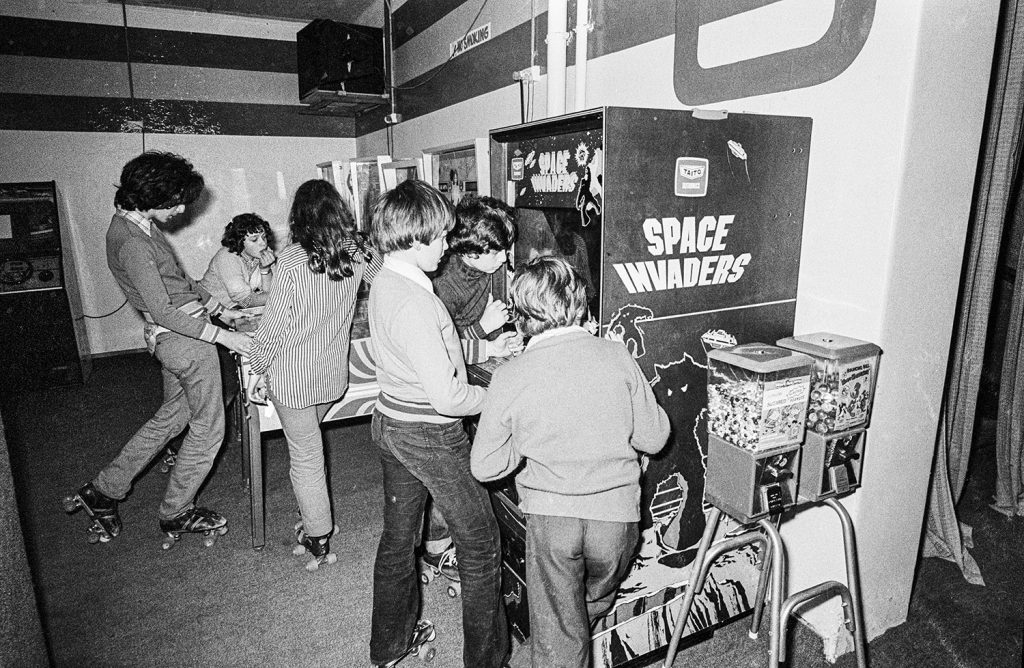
[364, 12]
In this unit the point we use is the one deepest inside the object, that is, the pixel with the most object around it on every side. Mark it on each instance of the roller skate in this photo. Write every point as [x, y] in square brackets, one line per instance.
[168, 460]
[319, 547]
[422, 645]
[101, 509]
[444, 564]
[194, 520]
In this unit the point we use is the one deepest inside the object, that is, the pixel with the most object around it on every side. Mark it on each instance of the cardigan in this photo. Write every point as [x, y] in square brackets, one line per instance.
[145, 266]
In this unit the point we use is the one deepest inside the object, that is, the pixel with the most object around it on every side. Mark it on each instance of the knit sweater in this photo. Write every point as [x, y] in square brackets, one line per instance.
[464, 290]
[145, 266]
[420, 367]
[576, 409]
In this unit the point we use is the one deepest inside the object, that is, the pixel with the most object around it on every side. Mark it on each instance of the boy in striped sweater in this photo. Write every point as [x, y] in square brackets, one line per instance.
[417, 426]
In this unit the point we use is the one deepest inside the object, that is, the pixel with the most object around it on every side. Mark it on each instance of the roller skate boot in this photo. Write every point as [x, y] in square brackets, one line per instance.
[168, 460]
[443, 564]
[194, 520]
[319, 547]
[101, 509]
[422, 645]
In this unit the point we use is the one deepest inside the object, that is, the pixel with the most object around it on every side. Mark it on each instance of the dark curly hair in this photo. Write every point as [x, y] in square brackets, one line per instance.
[157, 180]
[482, 225]
[322, 224]
[242, 226]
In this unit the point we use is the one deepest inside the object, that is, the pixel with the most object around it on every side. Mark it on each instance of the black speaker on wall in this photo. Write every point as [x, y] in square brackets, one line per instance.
[335, 56]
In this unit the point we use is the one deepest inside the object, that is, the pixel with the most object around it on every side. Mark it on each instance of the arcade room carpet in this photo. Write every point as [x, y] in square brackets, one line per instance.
[129, 603]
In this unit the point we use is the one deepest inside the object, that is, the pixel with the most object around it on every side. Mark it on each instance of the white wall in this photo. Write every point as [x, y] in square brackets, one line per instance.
[894, 147]
[243, 173]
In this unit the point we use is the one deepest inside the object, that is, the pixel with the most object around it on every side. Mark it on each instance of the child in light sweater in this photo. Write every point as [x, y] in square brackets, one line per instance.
[576, 409]
[417, 427]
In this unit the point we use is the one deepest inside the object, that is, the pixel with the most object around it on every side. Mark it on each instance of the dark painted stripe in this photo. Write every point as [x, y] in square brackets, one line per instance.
[90, 41]
[462, 78]
[55, 113]
[488, 67]
[415, 16]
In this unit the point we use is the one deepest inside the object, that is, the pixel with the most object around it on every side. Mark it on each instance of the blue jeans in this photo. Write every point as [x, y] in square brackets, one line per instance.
[193, 397]
[573, 569]
[417, 457]
[306, 466]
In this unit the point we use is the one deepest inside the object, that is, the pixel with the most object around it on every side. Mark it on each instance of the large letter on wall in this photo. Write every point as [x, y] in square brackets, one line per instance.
[731, 49]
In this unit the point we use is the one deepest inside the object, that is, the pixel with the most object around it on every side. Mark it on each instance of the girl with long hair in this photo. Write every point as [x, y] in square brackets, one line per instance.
[302, 344]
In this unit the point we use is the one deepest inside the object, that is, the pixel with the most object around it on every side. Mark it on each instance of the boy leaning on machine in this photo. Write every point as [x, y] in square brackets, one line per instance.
[418, 429]
[577, 410]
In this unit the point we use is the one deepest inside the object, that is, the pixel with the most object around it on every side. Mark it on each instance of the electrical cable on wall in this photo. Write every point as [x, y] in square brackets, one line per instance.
[105, 315]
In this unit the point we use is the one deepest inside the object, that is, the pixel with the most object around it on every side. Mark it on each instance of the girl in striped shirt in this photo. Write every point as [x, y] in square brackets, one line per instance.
[302, 343]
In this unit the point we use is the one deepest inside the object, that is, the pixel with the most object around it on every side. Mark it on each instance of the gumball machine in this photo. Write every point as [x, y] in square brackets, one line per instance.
[757, 408]
[841, 396]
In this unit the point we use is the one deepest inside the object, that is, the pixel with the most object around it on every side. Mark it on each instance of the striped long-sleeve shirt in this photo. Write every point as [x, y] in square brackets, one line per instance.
[302, 343]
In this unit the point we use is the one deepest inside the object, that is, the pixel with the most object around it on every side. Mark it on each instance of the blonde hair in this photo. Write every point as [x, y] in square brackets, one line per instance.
[411, 211]
[547, 292]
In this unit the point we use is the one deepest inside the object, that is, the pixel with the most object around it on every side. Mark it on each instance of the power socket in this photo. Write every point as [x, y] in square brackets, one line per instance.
[527, 74]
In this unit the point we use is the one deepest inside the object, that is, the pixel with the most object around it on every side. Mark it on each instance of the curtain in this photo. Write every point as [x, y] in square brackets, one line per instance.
[1009, 455]
[945, 536]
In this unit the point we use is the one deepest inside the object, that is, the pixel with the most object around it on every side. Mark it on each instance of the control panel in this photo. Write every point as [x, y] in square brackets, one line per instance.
[26, 273]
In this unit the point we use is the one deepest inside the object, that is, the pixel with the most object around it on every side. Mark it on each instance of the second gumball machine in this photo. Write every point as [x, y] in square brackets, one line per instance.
[841, 396]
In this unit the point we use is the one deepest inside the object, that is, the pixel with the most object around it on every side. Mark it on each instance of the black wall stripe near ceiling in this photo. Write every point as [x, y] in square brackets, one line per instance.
[56, 113]
[486, 68]
[415, 16]
[89, 41]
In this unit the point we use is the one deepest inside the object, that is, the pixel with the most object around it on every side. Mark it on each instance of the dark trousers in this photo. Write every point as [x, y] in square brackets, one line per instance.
[417, 458]
[573, 569]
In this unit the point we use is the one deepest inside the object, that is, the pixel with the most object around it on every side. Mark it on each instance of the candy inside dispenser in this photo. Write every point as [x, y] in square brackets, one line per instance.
[757, 395]
[843, 382]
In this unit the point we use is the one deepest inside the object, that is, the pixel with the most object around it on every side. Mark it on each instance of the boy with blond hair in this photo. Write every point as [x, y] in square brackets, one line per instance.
[574, 411]
[417, 426]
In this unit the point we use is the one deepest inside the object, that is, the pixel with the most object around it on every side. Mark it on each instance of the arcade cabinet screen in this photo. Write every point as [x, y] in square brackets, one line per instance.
[28, 217]
[565, 233]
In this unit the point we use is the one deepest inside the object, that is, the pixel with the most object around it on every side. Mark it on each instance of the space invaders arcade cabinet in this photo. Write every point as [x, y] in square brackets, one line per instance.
[687, 228]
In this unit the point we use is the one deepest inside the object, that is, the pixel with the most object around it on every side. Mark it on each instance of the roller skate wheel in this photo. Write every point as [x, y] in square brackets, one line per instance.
[209, 540]
[426, 652]
[453, 591]
[70, 504]
[312, 565]
[93, 538]
[222, 530]
[332, 558]
[298, 550]
[425, 577]
[169, 542]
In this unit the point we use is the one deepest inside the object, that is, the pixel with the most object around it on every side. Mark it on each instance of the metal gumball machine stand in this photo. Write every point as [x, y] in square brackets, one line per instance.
[786, 429]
